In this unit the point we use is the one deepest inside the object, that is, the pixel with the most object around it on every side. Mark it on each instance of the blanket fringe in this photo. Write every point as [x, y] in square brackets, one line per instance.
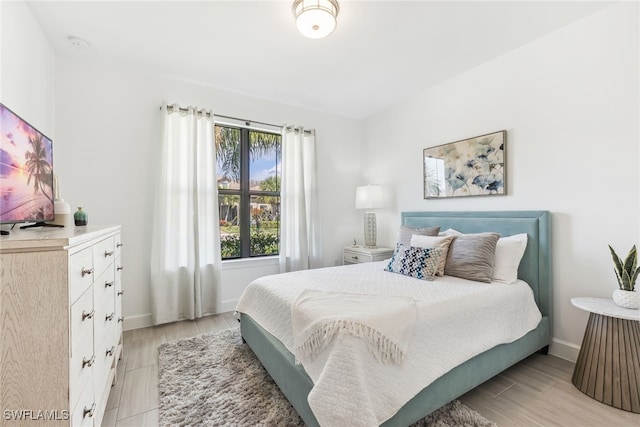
[381, 347]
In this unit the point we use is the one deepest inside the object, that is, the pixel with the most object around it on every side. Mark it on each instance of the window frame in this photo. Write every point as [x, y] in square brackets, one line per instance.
[245, 193]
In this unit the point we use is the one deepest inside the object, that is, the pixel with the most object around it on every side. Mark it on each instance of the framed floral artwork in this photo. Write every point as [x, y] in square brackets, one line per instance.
[470, 167]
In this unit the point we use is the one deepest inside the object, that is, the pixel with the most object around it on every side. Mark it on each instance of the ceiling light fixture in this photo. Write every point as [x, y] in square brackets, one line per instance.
[315, 18]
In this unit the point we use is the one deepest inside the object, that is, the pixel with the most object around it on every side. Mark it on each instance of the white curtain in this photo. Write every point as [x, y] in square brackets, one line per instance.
[185, 249]
[300, 243]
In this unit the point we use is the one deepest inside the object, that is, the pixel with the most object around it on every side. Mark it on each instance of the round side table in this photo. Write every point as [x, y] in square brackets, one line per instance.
[608, 365]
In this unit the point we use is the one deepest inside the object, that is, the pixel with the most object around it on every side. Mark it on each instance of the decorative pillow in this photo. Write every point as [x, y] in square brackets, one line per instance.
[404, 236]
[450, 232]
[420, 263]
[471, 256]
[438, 242]
[509, 252]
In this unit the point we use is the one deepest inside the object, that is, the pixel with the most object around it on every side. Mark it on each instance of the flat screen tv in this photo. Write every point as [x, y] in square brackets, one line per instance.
[26, 171]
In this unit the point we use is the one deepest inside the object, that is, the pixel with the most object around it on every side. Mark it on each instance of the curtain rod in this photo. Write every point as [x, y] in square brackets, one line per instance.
[246, 122]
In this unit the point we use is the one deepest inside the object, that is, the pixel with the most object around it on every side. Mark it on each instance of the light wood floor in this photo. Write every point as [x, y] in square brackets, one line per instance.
[535, 392]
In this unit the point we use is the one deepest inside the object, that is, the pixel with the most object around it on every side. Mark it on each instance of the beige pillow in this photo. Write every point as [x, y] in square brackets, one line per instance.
[404, 236]
[438, 242]
[471, 256]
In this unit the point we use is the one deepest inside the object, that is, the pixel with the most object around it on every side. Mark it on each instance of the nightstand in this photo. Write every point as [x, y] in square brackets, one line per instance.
[607, 367]
[359, 254]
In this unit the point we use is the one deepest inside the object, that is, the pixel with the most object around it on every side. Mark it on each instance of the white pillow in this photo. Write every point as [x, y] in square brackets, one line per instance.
[438, 242]
[509, 252]
[450, 232]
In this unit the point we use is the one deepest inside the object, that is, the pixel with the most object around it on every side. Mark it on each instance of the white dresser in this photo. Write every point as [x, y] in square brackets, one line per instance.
[60, 324]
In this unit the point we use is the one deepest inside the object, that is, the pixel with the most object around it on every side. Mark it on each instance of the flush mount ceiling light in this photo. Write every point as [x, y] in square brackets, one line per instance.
[315, 18]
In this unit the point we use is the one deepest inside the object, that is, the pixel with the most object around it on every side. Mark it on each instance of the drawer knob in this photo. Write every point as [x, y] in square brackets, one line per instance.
[109, 317]
[106, 254]
[120, 293]
[120, 319]
[86, 315]
[88, 363]
[89, 412]
[119, 268]
[118, 245]
[355, 257]
[111, 351]
[108, 284]
[86, 271]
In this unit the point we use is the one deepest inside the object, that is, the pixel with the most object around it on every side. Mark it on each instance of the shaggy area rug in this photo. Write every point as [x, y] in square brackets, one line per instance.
[216, 380]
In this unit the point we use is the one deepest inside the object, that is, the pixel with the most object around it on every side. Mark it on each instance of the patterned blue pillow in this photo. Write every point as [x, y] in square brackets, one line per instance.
[421, 263]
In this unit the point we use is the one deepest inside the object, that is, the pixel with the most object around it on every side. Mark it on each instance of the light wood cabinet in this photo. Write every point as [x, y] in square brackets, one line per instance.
[60, 324]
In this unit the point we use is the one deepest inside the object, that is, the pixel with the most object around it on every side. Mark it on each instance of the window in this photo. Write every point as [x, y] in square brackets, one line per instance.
[248, 174]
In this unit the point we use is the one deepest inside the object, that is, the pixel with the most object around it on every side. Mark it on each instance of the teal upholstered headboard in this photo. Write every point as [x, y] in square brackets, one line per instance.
[535, 267]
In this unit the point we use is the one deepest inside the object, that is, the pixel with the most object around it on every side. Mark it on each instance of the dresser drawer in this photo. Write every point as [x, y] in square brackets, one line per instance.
[85, 409]
[354, 258]
[118, 242]
[105, 356]
[360, 254]
[104, 253]
[118, 290]
[104, 304]
[82, 315]
[81, 273]
[104, 289]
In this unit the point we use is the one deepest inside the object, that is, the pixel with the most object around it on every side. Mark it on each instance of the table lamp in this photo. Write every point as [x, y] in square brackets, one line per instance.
[369, 197]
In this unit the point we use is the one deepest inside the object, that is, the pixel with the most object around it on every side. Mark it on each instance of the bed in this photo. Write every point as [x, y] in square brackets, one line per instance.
[534, 269]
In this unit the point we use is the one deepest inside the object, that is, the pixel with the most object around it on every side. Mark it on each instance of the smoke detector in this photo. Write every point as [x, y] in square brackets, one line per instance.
[77, 42]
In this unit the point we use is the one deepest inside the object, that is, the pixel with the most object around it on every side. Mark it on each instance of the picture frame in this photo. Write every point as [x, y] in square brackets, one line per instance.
[469, 167]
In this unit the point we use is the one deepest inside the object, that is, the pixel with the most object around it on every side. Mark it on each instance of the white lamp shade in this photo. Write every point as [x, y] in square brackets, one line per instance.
[369, 197]
[315, 19]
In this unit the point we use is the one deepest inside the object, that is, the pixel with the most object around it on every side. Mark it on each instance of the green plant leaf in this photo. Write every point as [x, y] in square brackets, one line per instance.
[634, 278]
[631, 260]
[616, 260]
[634, 265]
[619, 279]
[626, 279]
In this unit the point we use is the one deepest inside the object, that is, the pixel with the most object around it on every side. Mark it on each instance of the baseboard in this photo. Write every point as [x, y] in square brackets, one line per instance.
[564, 350]
[144, 320]
[137, 322]
[228, 305]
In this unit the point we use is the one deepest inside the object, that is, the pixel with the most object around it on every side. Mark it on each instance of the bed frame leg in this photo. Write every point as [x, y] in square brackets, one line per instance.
[243, 340]
[544, 350]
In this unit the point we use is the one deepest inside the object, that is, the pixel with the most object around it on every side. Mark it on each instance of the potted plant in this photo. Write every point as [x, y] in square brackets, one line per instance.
[627, 274]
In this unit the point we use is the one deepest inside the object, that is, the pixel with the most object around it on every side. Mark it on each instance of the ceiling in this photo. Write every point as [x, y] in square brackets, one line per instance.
[381, 52]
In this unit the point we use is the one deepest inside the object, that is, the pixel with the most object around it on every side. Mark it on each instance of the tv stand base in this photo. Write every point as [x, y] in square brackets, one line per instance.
[40, 224]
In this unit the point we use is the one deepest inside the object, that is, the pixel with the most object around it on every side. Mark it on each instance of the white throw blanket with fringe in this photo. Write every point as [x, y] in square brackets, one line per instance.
[383, 323]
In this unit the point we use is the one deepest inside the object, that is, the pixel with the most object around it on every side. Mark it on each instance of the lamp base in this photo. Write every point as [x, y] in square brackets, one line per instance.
[370, 230]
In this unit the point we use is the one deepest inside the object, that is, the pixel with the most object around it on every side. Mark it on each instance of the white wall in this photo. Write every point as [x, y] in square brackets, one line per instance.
[26, 67]
[107, 128]
[570, 104]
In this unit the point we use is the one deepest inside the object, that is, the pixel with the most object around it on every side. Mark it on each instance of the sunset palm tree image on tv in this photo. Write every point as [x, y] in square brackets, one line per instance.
[26, 171]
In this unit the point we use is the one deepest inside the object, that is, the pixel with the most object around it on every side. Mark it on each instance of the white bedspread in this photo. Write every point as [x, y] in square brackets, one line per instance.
[457, 319]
